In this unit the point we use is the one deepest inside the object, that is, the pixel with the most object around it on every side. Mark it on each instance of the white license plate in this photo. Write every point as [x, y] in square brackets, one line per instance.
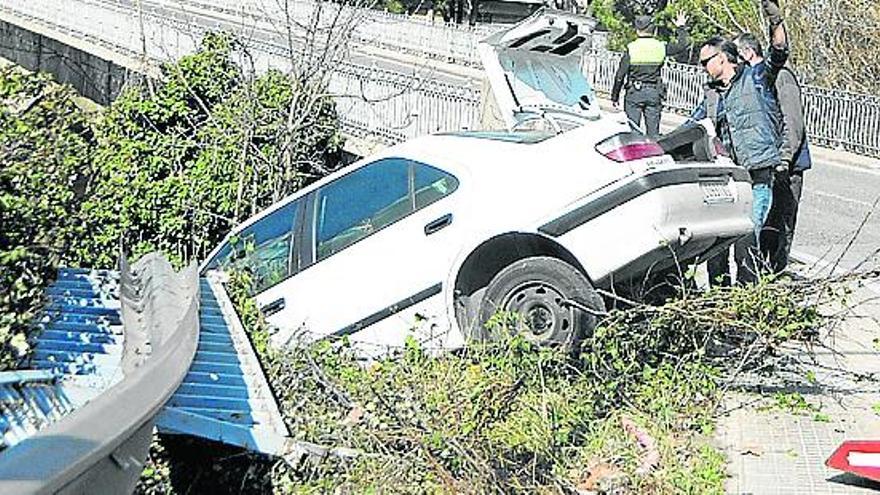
[717, 192]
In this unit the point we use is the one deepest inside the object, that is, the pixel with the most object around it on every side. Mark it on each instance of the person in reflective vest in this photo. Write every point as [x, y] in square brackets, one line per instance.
[639, 71]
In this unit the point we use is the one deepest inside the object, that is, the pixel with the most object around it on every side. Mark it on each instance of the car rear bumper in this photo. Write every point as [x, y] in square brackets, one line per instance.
[654, 221]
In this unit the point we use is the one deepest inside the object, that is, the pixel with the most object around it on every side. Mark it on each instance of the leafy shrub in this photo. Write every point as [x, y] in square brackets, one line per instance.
[170, 166]
[184, 160]
[513, 418]
[45, 148]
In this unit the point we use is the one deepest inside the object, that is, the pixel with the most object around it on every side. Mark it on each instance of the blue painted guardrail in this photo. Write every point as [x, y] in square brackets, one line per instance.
[113, 348]
[225, 396]
[120, 353]
[29, 401]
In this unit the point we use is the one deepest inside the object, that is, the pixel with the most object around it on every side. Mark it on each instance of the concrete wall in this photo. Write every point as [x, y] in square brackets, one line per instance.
[93, 77]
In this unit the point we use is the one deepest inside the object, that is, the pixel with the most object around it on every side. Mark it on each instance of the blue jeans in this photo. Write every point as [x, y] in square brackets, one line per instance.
[747, 251]
[762, 200]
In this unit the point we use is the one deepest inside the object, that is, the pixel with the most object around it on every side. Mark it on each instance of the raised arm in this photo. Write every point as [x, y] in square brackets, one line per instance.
[778, 37]
[682, 41]
[778, 52]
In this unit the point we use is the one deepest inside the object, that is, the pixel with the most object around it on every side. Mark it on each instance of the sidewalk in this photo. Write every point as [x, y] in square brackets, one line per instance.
[782, 450]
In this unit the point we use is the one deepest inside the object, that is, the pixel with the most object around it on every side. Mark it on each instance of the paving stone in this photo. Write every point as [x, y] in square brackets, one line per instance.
[772, 451]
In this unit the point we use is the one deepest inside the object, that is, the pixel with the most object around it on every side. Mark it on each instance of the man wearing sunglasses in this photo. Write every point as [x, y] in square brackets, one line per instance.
[750, 127]
[640, 68]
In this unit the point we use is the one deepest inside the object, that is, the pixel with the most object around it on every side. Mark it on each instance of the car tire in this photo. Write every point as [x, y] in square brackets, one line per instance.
[549, 295]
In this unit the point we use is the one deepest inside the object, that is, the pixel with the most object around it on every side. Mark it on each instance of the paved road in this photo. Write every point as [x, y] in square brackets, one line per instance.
[840, 215]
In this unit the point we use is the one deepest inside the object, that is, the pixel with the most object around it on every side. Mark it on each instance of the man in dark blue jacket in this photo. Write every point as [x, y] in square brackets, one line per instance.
[778, 233]
[750, 127]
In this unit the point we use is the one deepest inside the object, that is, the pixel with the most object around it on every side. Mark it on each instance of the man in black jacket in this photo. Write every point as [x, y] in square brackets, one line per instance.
[639, 71]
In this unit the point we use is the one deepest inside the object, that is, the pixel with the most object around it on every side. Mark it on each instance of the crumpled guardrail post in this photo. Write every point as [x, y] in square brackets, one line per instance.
[154, 300]
[101, 447]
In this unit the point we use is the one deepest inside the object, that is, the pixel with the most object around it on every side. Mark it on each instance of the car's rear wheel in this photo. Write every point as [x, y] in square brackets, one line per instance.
[544, 299]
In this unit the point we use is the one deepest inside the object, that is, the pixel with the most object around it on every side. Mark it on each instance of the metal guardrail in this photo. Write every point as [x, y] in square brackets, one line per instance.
[101, 446]
[225, 396]
[834, 118]
[29, 401]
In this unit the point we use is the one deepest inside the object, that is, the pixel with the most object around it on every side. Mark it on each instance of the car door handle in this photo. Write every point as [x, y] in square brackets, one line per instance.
[273, 307]
[438, 224]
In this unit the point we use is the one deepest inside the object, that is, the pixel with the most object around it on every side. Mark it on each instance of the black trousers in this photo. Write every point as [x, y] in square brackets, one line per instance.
[646, 102]
[778, 232]
[749, 263]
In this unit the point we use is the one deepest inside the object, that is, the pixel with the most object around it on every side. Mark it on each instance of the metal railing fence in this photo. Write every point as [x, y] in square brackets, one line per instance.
[843, 120]
[834, 118]
[384, 105]
[412, 34]
[684, 83]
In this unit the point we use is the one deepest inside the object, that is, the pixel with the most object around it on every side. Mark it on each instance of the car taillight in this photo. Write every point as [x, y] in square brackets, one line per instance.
[629, 146]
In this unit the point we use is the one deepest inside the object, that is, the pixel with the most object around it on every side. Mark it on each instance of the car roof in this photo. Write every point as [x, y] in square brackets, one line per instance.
[458, 152]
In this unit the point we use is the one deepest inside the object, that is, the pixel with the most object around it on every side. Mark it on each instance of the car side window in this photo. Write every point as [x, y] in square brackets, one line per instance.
[360, 203]
[432, 184]
[264, 249]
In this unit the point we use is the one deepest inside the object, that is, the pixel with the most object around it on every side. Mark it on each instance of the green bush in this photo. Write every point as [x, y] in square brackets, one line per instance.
[182, 161]
[513, 418]
[171, 165]
[45, 150]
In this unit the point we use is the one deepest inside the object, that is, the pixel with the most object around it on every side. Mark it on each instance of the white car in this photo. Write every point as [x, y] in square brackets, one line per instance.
[432, 237]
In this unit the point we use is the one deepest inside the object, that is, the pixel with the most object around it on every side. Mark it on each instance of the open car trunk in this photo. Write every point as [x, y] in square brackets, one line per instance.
[535, 69]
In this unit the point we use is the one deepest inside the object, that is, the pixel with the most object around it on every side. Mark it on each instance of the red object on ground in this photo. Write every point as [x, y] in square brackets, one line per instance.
[859, 457]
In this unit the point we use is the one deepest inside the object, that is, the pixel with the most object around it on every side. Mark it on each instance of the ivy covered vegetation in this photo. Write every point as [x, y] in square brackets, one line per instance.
[179, 163]
[46, 142]
[171, 165]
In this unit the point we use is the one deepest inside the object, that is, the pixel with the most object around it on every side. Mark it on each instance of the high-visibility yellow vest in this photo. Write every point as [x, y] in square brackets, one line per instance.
[646, 51]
